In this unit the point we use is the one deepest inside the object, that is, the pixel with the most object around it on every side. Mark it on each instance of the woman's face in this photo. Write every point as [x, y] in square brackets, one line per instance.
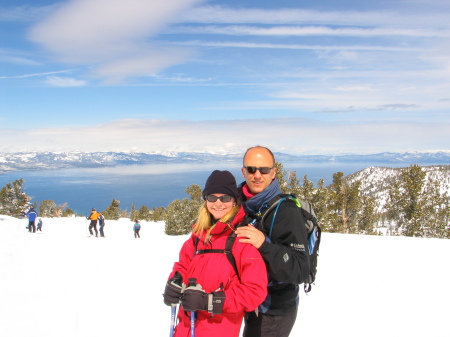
[219, 208]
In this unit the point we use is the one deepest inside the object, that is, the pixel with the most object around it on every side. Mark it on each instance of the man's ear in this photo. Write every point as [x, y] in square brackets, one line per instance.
[243, 172]
[274, 173]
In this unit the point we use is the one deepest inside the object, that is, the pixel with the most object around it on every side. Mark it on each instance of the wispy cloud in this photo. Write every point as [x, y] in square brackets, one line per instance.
[18, 60]
[25, 13]
[231, 44]
[384, 18]
[111, 36]
[37, 74]
[241, 30]
[144, 63]
[56, 81]
[171, 135]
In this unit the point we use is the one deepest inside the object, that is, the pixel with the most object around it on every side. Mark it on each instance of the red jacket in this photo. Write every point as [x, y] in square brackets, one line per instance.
[211, 270]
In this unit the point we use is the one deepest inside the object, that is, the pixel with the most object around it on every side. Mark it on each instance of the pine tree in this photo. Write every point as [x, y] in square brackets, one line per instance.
[113, 210]
[436, 211]
[346, 203]
[407, 204]
[418, 206]
[307, 190]
[158, 214]
[321, 201]
[13, 200]
[280, 176]
[293, 185]
[133, 214]
[182, 213]
[67, 212]
[143, 213]
[195, 192]
[47, 208]
[368, 216]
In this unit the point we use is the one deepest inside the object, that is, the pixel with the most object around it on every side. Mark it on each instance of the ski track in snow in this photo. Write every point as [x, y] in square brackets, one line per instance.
[60, 283]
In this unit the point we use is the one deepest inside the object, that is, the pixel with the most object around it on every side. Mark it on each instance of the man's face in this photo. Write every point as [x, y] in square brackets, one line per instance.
[258, 157]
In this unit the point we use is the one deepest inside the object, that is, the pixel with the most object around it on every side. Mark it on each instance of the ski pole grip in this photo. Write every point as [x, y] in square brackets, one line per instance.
[192, 282]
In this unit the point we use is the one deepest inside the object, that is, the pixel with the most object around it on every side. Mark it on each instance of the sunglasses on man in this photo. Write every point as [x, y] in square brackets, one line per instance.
[223, 198]
[253, 169]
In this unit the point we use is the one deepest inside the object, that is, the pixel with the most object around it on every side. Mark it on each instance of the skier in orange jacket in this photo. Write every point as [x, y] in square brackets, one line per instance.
[93, 225]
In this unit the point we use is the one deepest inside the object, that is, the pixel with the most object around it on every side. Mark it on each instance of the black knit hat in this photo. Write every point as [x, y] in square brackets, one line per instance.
[221, 182]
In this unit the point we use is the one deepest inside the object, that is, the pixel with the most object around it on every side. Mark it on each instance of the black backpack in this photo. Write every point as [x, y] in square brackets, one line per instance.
[312, 229]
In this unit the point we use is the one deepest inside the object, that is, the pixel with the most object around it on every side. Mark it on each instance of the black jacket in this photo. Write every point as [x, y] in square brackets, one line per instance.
[285, 253]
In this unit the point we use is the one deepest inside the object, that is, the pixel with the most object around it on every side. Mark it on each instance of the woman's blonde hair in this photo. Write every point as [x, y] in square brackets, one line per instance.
[205, 222]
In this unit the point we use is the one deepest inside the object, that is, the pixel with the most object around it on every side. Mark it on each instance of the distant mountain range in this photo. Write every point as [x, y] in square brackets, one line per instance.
[59, 160]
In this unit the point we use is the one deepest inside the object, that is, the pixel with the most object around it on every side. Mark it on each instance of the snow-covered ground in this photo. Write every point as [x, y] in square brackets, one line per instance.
[61, 283]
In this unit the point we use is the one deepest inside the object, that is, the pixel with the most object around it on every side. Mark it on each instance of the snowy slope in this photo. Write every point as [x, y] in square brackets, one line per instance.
[376, 181]
[59, 283]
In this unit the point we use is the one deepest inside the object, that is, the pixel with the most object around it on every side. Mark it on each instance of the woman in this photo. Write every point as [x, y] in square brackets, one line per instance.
[101, 222]
[207, 283]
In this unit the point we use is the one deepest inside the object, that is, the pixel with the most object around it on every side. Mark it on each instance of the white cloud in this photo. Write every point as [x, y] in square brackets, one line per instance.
[99, 32]
[294, 46]
[293, 135]
[37, 74]
[219, 14]
[311, 31]
[354, 88]
[56, 81]
[17, 60]
[145, 63]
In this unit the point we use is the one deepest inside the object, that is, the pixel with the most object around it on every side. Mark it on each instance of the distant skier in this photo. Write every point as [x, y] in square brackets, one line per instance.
[137, 228]
[39, 225]
[32, 215]
[101, 223]
[93, 225]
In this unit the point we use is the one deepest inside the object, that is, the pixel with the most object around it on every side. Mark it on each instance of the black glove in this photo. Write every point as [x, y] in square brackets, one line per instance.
[174, 289]
[194, 298]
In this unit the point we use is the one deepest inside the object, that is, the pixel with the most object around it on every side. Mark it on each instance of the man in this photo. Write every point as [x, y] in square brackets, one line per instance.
[32, 215]
[93, 225]
[282, 242]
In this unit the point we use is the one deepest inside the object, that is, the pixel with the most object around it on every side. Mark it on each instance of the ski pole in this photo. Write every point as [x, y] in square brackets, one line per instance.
[192, 323]
[192, 283]
[173, 318]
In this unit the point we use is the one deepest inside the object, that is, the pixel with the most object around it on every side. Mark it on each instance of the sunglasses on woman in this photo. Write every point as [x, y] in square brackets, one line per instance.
[223, 198]
[253, 169]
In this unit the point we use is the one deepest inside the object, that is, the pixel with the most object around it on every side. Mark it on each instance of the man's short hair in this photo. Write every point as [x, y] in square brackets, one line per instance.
[261, 147]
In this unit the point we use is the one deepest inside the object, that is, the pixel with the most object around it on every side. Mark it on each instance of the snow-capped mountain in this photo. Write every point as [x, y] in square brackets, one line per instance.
[376, 181]
[58, 160]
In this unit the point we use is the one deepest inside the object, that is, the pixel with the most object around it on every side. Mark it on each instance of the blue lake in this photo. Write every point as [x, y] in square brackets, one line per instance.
[152, 185]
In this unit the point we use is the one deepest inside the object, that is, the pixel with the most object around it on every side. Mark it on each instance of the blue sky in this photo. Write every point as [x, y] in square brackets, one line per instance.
[301, 77]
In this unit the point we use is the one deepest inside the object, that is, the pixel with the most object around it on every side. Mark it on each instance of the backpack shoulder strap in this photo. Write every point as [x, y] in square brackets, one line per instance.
[227, 251]
[275, 203]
